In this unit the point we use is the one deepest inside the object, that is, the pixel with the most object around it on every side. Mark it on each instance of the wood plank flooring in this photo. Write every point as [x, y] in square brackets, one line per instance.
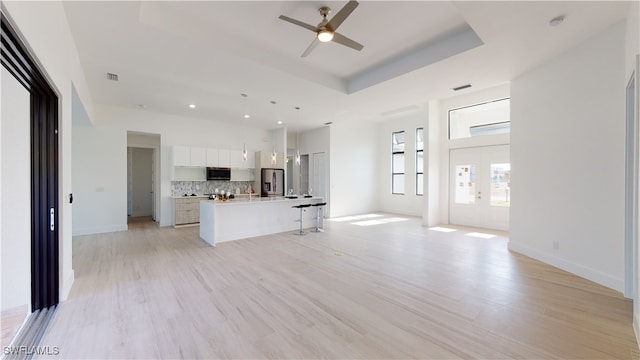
[392, 290]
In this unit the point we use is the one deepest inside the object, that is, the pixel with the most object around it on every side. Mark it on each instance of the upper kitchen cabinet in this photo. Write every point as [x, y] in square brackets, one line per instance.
[198, 157]
[223, 158]
[237, 161]
[212, 157]
[218, 158]
[189, 156]
[265, 160]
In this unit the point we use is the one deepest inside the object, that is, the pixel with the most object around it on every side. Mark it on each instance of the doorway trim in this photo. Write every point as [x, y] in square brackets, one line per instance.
[45, 276]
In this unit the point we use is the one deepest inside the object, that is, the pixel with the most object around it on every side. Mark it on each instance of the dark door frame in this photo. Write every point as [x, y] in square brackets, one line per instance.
[45, 274]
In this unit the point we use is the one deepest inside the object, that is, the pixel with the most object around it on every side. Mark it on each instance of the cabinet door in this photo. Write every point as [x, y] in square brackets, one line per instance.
[250, 163]
[198, 157]
[181, 156]
[223, 158]
[212, 157]
[235, 159]
[279, 161]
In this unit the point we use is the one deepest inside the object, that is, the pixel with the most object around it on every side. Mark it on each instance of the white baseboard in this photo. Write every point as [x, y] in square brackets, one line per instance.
[66, 288]
[596, 276]
[99, 229]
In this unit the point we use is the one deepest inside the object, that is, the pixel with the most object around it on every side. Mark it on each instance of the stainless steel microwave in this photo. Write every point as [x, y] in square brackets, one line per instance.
[218, 173]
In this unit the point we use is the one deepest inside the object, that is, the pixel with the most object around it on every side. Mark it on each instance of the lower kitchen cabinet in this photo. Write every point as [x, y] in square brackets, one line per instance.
[187, 211]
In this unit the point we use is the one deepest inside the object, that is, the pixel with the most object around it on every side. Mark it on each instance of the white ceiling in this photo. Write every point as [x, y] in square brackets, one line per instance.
[169, 54]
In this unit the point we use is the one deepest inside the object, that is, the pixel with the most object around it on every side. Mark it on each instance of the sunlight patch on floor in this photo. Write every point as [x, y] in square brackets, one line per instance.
[442, 229]
[378, 221]
[480, 235]
[355, 217]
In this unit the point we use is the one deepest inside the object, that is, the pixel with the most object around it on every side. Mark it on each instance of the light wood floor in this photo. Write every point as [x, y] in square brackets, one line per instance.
[394, 290]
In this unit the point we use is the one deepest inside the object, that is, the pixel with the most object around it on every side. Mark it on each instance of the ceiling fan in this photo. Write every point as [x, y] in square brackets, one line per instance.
[326, 30]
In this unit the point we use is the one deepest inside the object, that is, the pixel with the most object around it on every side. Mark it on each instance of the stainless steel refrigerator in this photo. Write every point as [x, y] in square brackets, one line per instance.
[272, 182]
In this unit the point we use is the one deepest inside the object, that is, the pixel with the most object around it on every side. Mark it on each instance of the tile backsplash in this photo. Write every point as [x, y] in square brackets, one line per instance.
[179, 188]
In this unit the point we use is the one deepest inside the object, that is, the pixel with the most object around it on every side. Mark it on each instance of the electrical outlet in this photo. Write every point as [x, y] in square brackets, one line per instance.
[556, 245]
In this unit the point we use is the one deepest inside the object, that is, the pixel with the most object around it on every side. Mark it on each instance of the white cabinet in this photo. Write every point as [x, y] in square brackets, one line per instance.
[218, 158]
[265, 160]
[242, 174]
[189, 156]
[223, 158]
[238, 162]
[198, 157]
[181, 156]
[212, 157]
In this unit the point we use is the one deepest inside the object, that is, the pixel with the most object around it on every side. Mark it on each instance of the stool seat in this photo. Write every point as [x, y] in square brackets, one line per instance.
[301, 206]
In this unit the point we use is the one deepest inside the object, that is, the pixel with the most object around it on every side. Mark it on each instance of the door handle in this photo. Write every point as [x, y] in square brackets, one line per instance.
[52, 217]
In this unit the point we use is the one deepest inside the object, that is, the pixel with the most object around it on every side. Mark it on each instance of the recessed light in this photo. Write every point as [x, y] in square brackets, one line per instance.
[279, 122]
[556, 20]
[246, 116]
[193, 106]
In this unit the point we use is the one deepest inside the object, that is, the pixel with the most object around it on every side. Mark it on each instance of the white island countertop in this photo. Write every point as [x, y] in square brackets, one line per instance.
[244, 218]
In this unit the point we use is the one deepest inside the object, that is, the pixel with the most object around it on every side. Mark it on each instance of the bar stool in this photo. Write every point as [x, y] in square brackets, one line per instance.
[318, 207]
[301, 207]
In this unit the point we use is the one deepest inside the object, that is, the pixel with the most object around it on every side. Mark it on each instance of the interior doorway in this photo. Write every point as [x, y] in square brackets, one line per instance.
[480, 187]
[143, 175]
[140, 182]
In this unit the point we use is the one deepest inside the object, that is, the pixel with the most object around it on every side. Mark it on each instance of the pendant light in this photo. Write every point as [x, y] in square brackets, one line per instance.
[246, 116]
[298, 137]
[273, 154]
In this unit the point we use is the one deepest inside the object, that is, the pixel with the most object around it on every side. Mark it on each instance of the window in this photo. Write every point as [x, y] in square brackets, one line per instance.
[481, 119]
[397, 163]
[500, 184]
[419, 161]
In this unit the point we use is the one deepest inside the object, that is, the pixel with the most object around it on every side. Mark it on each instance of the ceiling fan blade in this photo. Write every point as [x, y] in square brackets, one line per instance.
[343, 40]
[299, 23]
[342, 15]
[312, 46]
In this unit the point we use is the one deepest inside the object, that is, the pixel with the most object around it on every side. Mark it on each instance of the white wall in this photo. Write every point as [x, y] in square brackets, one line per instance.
[15, 194]
[632, 55]
[312, 142]
[353, 168]
[446, 145]
[409, 203]
[567, 152]
[432, 187]
[102, 214]
[99, 180]
[44, 27]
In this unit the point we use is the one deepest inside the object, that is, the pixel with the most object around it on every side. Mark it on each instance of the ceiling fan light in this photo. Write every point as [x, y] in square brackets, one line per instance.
[325, 35]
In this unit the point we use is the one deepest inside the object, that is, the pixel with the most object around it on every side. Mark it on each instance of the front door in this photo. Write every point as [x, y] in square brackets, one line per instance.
[480, 187]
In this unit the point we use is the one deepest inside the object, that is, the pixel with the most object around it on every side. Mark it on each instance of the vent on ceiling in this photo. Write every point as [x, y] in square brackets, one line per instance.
[112, 76]
[462, 87]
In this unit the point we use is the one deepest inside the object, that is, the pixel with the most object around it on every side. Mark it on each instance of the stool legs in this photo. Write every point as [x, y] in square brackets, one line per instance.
[318, 218]
[300, 232]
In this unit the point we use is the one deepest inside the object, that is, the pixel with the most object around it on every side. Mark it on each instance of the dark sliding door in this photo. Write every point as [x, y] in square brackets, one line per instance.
[44, 168]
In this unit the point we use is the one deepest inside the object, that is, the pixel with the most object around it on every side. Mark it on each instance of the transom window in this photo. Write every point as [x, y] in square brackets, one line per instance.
[482, 119]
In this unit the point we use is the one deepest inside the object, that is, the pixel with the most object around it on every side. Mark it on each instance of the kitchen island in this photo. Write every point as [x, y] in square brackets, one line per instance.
[244, 218]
